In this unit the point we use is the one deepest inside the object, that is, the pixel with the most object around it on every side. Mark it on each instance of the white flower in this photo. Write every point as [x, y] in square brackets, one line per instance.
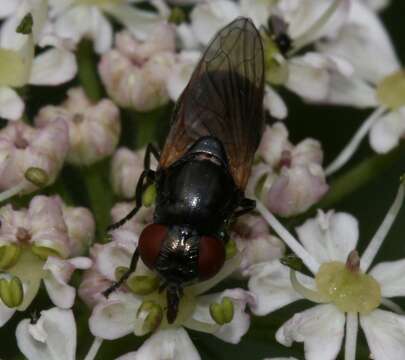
[289, 179]
[308, 75]
[94, 128]
[376, 82]
[344, 288]
[254, 241]
[78, 19]
[135, 73]
[23, 147]
[51, 337]
[35, 245]
[19, 67]
[125, 311]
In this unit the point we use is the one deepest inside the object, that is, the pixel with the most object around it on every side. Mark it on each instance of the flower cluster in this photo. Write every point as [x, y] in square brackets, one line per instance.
[71, 157]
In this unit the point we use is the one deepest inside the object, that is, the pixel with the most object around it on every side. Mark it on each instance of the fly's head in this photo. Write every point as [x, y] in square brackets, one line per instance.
[181, 256]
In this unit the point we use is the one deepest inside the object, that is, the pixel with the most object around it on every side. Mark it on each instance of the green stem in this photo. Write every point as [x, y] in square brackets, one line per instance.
[99, 194]
[87, 69]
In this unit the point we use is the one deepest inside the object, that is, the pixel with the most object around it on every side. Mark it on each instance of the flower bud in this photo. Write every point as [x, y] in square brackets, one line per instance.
[24, 148]
[126, 168]
[94, 129]
[135, 73]
[81, 228]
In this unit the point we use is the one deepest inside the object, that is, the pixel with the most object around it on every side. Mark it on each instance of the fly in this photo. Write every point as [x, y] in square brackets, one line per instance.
[204, 165]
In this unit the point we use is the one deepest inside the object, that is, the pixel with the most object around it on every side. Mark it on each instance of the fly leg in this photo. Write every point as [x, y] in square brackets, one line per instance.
[147, 174]
[147, 177]
[246, 205]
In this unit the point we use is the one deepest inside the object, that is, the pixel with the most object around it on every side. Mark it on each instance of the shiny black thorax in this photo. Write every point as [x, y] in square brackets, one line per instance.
[196, 196]
[197, 190]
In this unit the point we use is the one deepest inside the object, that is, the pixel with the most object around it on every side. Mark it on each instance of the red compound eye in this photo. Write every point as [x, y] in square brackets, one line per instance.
[150, 243]
[211, 257]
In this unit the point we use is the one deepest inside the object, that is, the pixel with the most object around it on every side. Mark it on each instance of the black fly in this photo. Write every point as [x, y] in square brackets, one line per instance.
[205, 164]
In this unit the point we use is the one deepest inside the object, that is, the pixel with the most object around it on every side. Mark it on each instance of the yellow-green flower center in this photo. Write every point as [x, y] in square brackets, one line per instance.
[391, 90]
[350, 291]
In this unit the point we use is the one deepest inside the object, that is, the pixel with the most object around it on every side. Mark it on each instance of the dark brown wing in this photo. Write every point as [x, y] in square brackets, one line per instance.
[224, 99]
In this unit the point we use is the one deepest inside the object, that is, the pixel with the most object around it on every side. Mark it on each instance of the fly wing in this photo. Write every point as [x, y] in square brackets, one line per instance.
[224, 99]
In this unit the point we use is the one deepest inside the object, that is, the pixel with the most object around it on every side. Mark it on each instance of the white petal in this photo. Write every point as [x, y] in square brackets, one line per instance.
[169, 344]
[116, 253]
[351, 91]
[320, 328]
[377, 4]
[387, 131]
[301, 15]
[60, 336]
[8, 7]
[308, 76]
[5, 314]
[208, 17]
[385, 333]
[85, 21]
[365, 44]
[58, 273]
[231, 332]
[274, 104]
[270, 283]
[11, 105]
[53, 67]
[390, 276]
[330, 236]
[116, 317]
[140, 23]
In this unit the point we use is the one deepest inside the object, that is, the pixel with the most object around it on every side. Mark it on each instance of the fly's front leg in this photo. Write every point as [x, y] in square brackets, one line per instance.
[149, 176]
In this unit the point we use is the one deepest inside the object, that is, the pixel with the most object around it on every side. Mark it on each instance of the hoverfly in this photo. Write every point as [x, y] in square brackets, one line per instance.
[205, 164]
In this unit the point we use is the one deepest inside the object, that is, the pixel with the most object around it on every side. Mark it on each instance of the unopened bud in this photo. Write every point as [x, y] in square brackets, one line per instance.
[222, 313]
[9, 255]
[37, 176]
[143, 285]
[11, 292]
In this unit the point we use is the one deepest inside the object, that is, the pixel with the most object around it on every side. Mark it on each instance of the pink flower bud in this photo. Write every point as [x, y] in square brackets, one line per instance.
[94, 129]
[135, 73]
[81, 228]
[290, 179]
[126, 168]
[253, 238]
[143, 217]
[23, 146]
[161, 39]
